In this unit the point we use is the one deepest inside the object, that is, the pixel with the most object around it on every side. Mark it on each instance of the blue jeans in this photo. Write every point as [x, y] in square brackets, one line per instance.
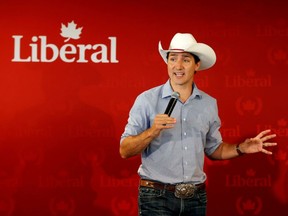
[154, 202]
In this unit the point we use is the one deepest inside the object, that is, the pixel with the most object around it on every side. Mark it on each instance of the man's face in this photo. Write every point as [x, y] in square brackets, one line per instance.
[181, 68]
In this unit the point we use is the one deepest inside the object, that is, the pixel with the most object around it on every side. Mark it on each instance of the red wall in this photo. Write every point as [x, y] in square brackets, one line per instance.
[62, 113]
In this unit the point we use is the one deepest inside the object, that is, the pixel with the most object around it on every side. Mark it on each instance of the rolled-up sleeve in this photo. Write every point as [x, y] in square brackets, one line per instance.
[137, 121]
[213, 138]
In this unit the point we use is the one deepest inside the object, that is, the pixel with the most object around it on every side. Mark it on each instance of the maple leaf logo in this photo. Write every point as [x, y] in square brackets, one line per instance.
[70, 31]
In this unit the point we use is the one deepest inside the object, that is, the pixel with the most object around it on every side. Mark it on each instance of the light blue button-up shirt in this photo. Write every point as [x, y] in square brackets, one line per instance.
[177, 154]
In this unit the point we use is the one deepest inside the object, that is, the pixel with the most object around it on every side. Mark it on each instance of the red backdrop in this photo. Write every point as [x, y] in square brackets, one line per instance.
[70, 71]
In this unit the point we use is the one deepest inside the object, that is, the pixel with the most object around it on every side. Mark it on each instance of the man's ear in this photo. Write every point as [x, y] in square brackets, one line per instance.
[197, 66]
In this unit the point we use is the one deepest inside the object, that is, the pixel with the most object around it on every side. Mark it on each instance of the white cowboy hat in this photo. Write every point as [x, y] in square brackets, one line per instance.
[185, 42]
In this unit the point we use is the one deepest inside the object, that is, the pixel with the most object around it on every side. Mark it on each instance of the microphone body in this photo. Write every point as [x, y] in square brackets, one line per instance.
[172, 103]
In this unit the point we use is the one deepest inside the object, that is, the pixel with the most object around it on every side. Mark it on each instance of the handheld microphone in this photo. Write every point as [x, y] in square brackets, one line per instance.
[172, 103]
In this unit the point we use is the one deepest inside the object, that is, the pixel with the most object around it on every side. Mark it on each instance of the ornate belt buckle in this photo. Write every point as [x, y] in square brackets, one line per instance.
[184, 190]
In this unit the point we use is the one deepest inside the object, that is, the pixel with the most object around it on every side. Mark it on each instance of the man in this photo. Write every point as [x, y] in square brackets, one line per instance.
[173, 147]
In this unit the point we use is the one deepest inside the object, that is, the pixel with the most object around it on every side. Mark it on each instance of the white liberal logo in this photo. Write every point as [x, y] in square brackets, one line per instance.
[80, 53]
[70, 31]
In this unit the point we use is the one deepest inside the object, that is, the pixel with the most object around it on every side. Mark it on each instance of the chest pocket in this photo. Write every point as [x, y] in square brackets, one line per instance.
[199, 123]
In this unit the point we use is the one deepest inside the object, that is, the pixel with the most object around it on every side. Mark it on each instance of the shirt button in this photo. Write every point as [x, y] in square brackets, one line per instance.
[185, 148]
[185, 133]
[184, 119]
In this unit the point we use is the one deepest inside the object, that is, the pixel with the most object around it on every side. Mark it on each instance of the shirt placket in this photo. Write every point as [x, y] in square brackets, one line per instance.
[186, 145]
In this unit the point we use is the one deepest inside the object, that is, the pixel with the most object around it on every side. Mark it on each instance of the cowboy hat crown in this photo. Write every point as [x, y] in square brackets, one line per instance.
[185, 42]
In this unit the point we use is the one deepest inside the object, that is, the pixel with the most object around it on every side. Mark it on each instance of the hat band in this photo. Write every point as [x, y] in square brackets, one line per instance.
[178, 50]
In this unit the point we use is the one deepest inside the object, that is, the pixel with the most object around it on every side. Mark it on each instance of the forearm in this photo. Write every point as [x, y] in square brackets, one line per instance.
[226, 151]
[134, 145]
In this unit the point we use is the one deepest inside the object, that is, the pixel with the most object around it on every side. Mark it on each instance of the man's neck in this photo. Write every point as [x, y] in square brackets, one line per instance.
[184, 91]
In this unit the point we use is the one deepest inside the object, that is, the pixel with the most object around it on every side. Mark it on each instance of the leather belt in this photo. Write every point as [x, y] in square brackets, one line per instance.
[169, 187]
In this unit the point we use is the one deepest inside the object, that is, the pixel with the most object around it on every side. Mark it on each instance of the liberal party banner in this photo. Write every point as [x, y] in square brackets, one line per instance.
[71, 70]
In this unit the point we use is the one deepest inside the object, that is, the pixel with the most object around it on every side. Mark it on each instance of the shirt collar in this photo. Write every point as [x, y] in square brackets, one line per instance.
[167, 91]
[196, 92]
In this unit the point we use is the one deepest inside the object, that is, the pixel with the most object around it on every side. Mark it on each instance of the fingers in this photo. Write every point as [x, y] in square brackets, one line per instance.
[169, 123]
[266, 151]
[265, 138]
[261, 139]
[263, 133]
[164, 121]
[269, 144]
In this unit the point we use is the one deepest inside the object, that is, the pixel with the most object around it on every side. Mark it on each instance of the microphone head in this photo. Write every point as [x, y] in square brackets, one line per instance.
[175, 95]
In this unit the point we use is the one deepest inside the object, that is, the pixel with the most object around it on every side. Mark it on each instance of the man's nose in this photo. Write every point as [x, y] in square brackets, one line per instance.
[179, 64]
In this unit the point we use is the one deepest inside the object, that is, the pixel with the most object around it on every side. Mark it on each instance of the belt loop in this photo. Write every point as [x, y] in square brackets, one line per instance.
[165, 187]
